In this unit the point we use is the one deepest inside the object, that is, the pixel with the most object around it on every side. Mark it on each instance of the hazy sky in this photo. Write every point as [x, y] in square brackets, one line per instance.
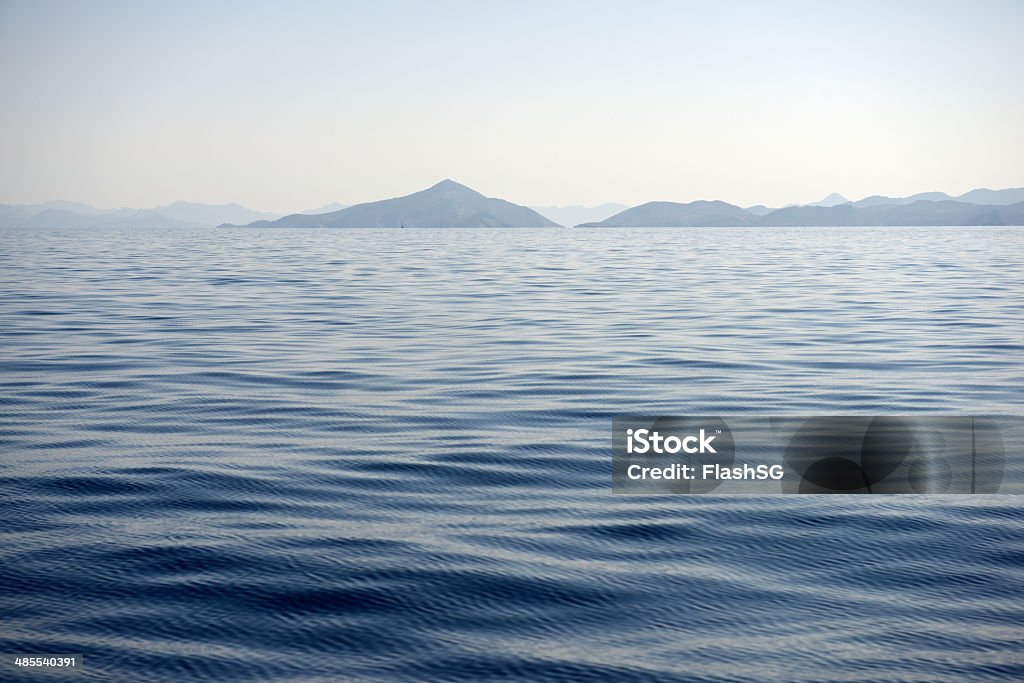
[289, 105]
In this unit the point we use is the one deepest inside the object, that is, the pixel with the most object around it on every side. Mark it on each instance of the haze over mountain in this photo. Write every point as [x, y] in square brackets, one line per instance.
[574, 215]
[989, 207]
[994, 197]
[444, 205]
[61, 218]
[65, 214]
[981, 196]
[921, 212]
[450, 204]
[64, 205]
[326, 208]
[831, 200]
[212, 214]
[719, 214]
[674, 214]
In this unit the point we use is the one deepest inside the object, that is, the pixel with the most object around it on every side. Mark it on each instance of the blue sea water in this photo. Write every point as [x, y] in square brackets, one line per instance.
[383, 455]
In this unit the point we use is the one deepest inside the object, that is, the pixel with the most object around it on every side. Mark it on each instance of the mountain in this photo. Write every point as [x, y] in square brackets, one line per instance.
[835, 199]
[927, 196]
[994, 197]
[64, 205]
[838, 214]
[875, 200]
[212, 214]
[65, 214]
[445, 205]
[450, 204]
[49, 219]
[832, 200]
[673, 214]
[1012, 214]
[18, 216]
[921, 212]
[326, 208]
[878, 200]
[13, 213]
[574, 215]
[981, 196]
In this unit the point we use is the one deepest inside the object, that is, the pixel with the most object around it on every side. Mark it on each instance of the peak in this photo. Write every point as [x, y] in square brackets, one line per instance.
[448, 184]
[449, 187]
[833, 199]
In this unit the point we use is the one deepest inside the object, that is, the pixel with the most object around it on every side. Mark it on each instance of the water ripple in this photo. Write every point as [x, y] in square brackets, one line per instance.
[383, 455]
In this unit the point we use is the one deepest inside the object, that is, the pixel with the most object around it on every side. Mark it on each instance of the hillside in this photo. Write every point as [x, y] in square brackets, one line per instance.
[445, 205]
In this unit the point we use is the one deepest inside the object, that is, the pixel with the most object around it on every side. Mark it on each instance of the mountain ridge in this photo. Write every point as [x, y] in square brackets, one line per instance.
[444, 204]
[922, 212]
[713, 213]
[576, 213]
[68, 214]
[990, 207]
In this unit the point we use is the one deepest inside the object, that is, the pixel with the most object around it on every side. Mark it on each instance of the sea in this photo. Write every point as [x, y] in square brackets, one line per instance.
[384, 455]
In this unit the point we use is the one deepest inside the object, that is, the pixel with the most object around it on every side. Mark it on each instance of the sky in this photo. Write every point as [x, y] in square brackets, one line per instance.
[284, 106]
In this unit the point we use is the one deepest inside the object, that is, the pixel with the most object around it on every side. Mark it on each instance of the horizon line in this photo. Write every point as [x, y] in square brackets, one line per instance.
[348, 204]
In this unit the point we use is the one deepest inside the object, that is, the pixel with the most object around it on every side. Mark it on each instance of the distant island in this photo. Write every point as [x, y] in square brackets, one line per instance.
[576, 214]
[989, 207]
[65, 214]
[447, 204]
